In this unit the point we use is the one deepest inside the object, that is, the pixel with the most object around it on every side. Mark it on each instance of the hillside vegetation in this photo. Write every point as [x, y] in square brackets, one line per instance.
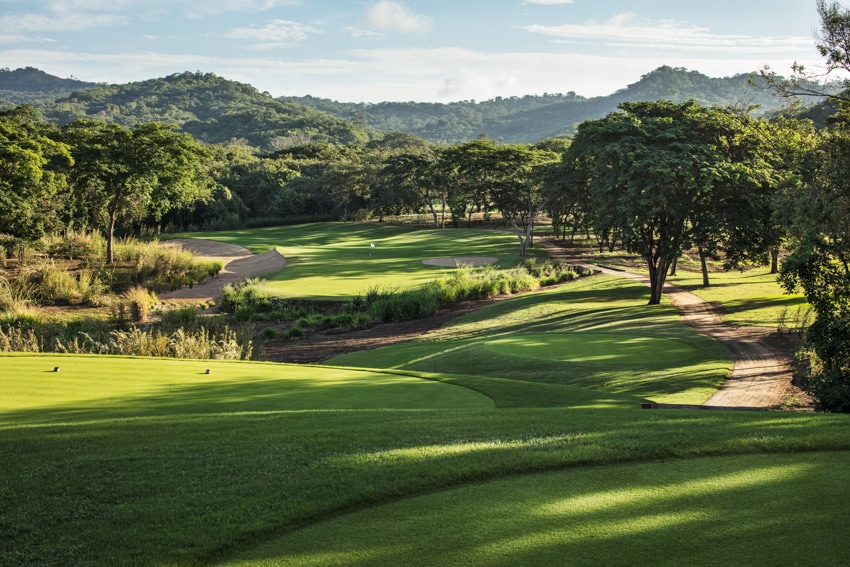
[33, 86]
[218, 110]
[211, 108]
[532, 118]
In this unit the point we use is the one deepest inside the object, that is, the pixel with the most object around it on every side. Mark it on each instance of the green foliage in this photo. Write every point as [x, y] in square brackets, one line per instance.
[57, 285]
[140, 301]
[246, 298]
[33, 174]
[88, 246]
[664, 177]
[209, 108]
[531, 118]
[820, 262]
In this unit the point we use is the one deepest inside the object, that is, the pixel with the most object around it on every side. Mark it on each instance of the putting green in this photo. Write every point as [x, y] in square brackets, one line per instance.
[101, 387]
[605, 348]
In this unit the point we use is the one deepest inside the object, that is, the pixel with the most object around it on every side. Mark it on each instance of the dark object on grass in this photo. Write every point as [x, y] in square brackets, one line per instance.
[208, 371]
[55, 369]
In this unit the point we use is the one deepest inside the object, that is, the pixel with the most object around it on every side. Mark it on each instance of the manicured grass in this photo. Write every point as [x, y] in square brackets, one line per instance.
[99, 387]
[752, 297]
[595, 333]
[509, 453]
[706, 511]
[332, 260]
[198, 487]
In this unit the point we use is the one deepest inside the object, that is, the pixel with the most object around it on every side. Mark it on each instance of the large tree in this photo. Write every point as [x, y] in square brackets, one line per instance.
[659, 174]
[820, 262]
[833, 44]
[518, 187]
[33, 168]
[126, 174]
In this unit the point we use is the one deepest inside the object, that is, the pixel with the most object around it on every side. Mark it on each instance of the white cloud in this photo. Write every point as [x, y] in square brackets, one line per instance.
[626, 30]
[392, 15]
[67, 22]
[361, 33]
[206, 8]
[275, 33]
[549, 2]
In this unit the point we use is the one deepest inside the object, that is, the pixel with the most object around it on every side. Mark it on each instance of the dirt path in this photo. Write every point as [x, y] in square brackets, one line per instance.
[762, 372]
[239, 263]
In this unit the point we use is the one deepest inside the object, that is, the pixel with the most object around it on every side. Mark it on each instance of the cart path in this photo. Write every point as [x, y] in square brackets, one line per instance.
[762, 373]
[239, 264]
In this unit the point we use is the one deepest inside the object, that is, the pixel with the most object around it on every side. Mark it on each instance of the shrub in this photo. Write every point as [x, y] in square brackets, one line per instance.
[17, 296]
[246, 298]
[139, 302]
[294, 333]
[87, 246]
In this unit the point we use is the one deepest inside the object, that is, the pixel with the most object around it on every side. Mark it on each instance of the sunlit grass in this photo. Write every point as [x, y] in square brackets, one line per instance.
[753, 297]
[596, 333]
[745, 510]
[337, 260]
[101, 387]
[192, 488]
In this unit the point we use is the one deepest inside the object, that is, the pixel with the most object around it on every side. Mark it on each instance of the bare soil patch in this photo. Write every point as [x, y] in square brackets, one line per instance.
[239, 264]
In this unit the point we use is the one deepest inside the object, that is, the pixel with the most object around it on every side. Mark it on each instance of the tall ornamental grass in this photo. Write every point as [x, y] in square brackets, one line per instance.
[462, 284]
[160, 266]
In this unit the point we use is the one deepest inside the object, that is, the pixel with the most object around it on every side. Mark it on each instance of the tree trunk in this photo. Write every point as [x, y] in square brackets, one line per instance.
[774, 259]
[673, 266]
[657, 277]
[704, 266]
[110, 230]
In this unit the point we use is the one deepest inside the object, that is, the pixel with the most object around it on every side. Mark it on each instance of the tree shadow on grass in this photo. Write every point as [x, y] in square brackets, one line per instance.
[743, 510]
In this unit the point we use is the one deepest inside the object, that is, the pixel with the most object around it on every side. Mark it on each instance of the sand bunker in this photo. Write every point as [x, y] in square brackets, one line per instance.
[461, 261]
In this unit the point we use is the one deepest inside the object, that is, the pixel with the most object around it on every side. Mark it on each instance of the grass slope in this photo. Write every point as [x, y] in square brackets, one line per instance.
[595, 333]
[704, 511]
[332, 260]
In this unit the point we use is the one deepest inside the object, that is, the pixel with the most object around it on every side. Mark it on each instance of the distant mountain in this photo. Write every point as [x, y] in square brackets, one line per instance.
[210, 108]
[532, 118]
[30, 85]
[218, 110]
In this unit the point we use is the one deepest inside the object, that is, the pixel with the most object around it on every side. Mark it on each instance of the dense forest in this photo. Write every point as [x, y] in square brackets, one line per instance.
[533, 118]
[217, 110]
[33, 86]
[212, 109]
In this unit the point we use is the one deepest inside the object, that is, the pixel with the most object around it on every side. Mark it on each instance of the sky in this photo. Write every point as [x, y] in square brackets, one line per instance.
[407, 50]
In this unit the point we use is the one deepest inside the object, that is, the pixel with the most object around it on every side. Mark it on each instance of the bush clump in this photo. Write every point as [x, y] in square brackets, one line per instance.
[246, 299]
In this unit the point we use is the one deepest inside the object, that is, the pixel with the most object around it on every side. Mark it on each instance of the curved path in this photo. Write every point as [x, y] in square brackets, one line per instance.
[762, 373]
[239, 264]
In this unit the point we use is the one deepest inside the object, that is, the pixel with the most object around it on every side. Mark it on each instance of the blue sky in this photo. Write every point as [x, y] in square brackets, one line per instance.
[421, 50]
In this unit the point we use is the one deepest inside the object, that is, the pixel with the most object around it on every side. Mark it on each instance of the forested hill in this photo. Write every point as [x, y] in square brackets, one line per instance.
[532, 118]
[30, 85]
[210, 108]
